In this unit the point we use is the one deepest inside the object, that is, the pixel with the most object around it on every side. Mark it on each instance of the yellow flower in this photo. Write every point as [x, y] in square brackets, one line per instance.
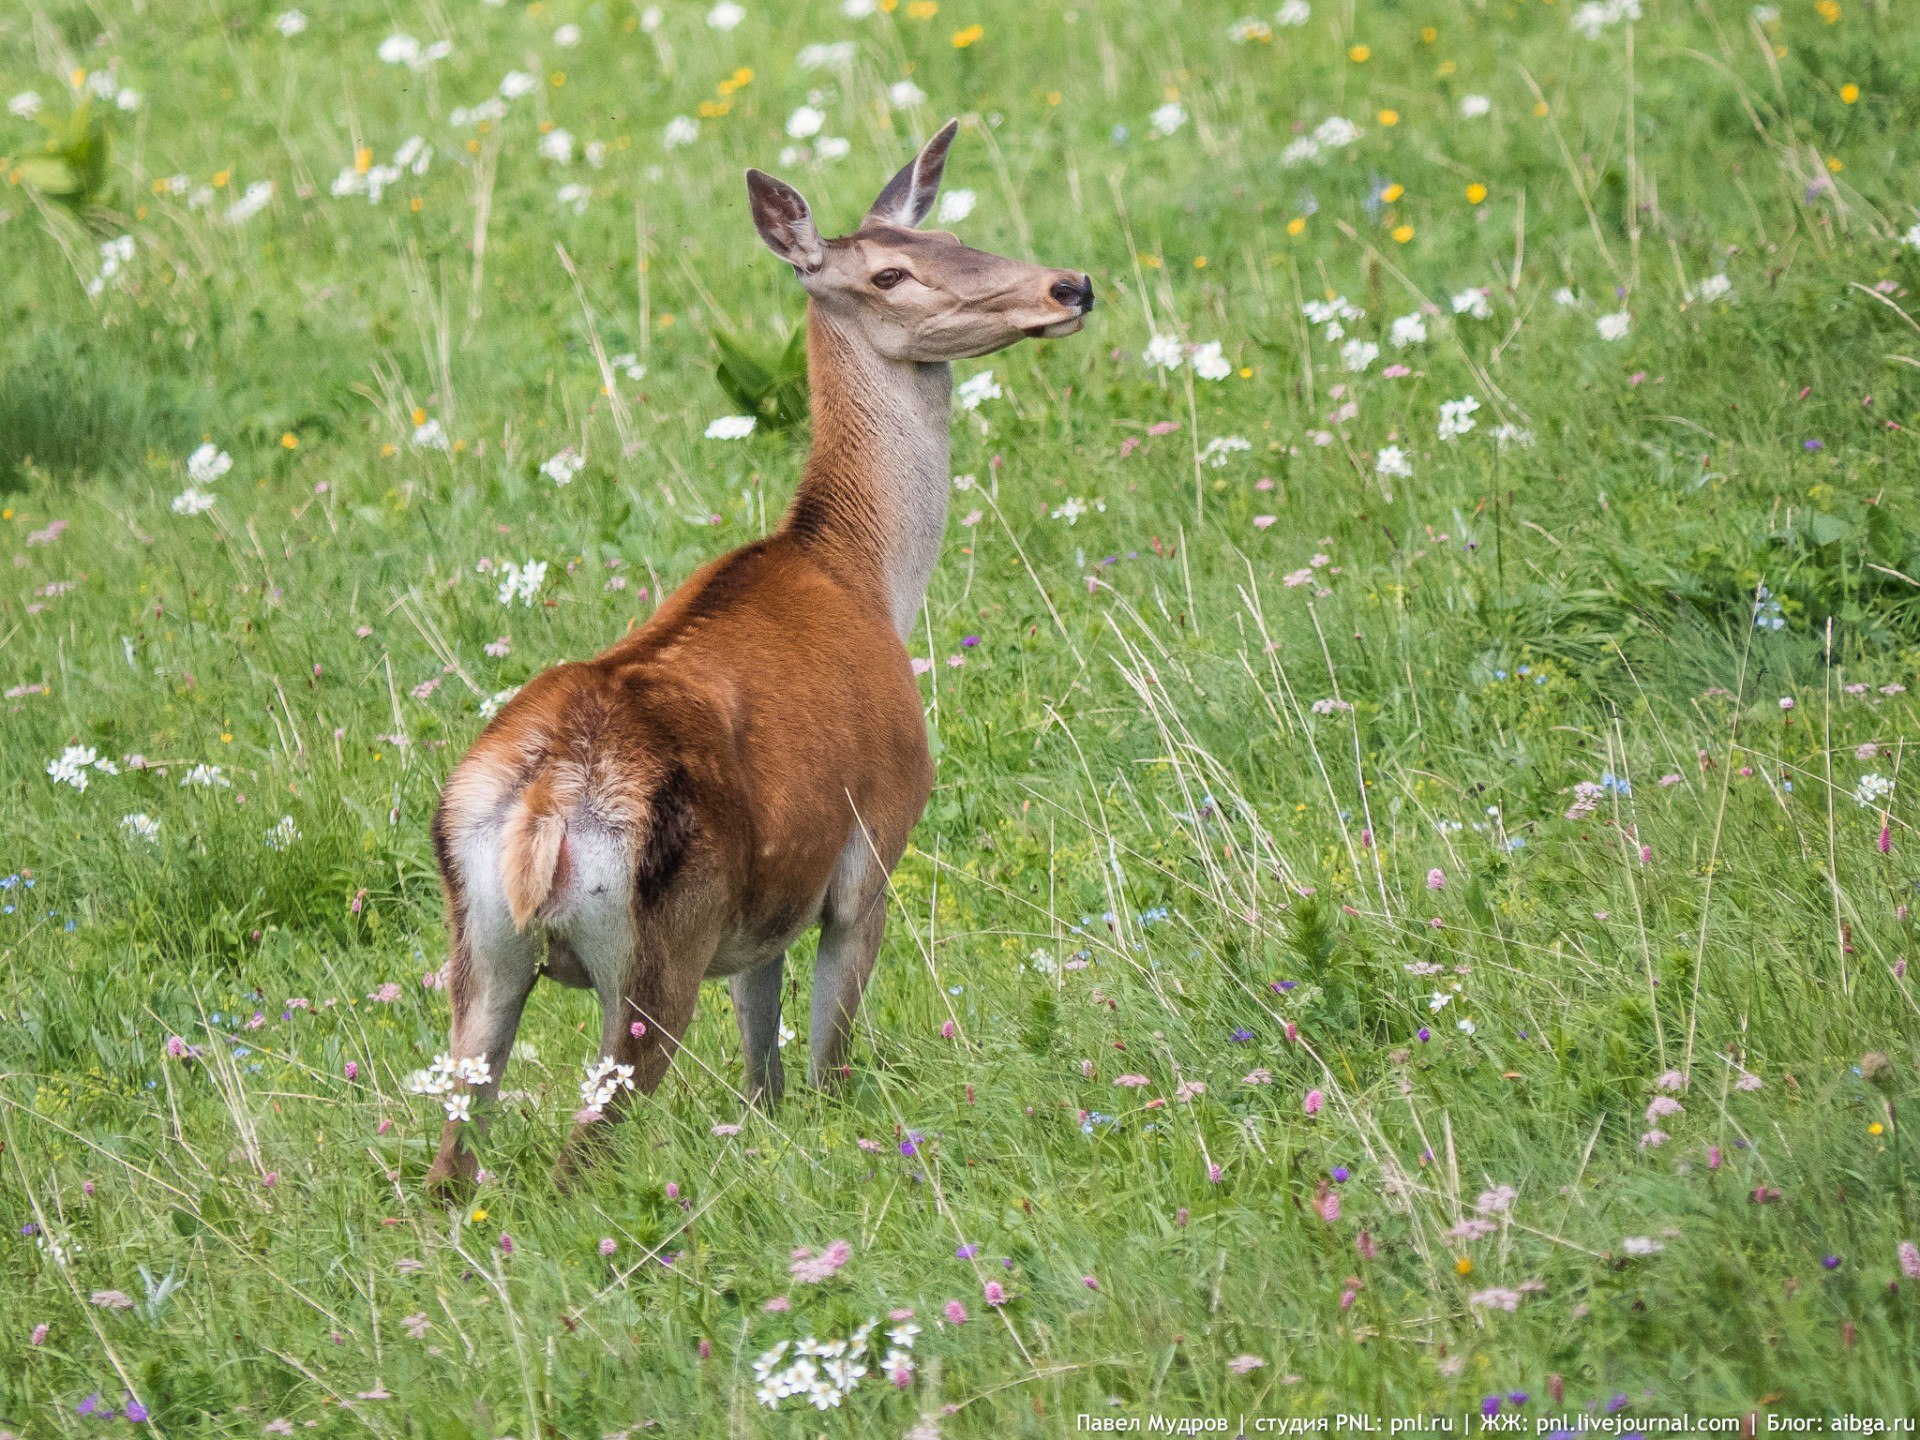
[1463, 1266]
[1428, 34]
[1393, 192]
[1246, 372]
[922, 9]
[742, 77]
[1876, 1128]
[1297, 224]
[963, 38]
[1445, 68]
[1053, 97]
[1476, 192]
[1360, 54]
[1829, 11]
[1199, 262]
[557, 79]
[419, 416]
[1403, 233]
[479, 1214]
[1152, 262]
[289, 441]
[714, 109]
[415, 204]
[362, 160]
[1388, 118]
[220, 178]
[1849, 93]
[1836, 164]
[1540, 108]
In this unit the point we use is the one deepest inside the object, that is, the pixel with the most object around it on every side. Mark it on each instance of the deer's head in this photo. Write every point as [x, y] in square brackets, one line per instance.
[912, 294]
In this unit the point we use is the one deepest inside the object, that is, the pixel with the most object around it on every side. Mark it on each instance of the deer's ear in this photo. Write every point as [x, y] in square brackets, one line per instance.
[781, 216]
[909, 195]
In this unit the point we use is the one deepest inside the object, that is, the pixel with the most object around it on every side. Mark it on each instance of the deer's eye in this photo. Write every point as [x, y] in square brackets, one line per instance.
[889, 278]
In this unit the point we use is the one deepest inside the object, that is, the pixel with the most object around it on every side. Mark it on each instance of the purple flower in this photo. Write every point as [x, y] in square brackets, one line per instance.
[1830, 1262]
[1341, 1174]
[1490, 1406]
[969, 641]
[910, 1146]
[1425, 1034]
[1284, 985]
[1517, 1399]
[966, 1252]
[1813, 444]
[136, 1412]
[92, 1406]
[1241, 1035]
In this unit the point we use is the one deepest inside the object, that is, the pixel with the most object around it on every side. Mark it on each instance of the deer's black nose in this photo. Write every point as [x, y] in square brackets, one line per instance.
[1077, 294]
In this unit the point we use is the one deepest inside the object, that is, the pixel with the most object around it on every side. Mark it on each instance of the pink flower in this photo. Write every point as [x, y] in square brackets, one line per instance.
[1314, 1101]
[387, 994]
[1663, 1105]
[178, 1048]
[1365, 1246]
[1436, 879]
[608, 1245]
[1214, 1174]
[1909, 1266]
[506, 1243]
[1132, 1082]
[1093, 1284]
[1713, 1157]
[1245, 1364]
[39, 1336]
[353, 1070]
[955, 1312]
[777, 1304]
[994, 1293]
[811, 1269]
[637, 1029]
[1261, 522]
[1327, 1202]
[946, 1029]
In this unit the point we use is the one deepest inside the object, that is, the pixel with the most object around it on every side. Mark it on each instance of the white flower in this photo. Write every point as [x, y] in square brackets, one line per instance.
[1219, 449]
[283, 833]
[1208, 363]
[976, 390]
[557, 146]
[836, 56]
[858, 9]
[516, 83]
[141, 826]
[1456, 417]
[1041, 962]
[805, 123]
[631, 365]
[681, 130]
[1357, 355]
[1168, 118]
[491, 706]
[1767, 14]
[25, 105]
[1871, 790]
[1335, 132]
[1245, 32]
[208, 464]
[400, 50]
[127, 100]
[574, 196]
[459, 1107]
[1293, 13]
[954, 207]
[491, 108]
[206, 777]
[1472, 107]
[1911, 239]
[731, 427]
[1473, 304]
[1565, 296]
[414, 154]
[567, 36]
[1332, 312]
[1715, 287]
[1641, 1245]
[1614, 326]
[1512, 437]
[257, 197]
[832, 147]
[1407, 330]
[1300, 151]
[904, 95]
[651, 17]
[1393, 461]
[521, 582]
[290, 23]
[1072, 509]
[431, 435]
[192, 502]
[1163, 352]
[71, 767]
[563, 467]
[725, 16]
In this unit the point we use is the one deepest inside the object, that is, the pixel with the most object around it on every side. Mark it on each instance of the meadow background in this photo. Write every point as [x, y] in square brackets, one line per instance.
[1416, 909]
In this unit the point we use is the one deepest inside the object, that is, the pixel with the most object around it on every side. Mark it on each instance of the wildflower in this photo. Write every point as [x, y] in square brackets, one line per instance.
[1407, 330]
[557, 145]
[1641, 1245]
[72, 765]
[725, 16]
[283, 834]
[1071, 509]
[976, 390]
[681, 131]
[1293, 13]
[1497, 1201]
[904, 95]
[1221, 447]
[1497, 1298]
[1714, 287]
[1168, 118]
[1456, 417]
[810, 1269]
[1472, 107]
[562, 468]
[1872, 790]
[1313, 1102]
[955, 1312]
[1586, 800]
[1357, 355]
[1663, 1105]
[1131, 1082]
[1208, 363]
[1392, 461]
[1473, 304]
[521, 582]
[806, 122]
[1436, 879]
[192, 502]
[208, 464]
[1615, 326]
[1908, 1253]
[955, 206]
[25, 105]
[994, 1293]
[1163, 352]
[731, 427]
[1512, 437]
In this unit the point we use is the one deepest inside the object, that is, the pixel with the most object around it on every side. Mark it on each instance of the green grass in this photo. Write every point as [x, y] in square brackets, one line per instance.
[1193, 781]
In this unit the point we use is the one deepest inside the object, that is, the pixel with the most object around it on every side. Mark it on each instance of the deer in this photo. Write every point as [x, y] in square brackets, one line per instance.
[749, 762]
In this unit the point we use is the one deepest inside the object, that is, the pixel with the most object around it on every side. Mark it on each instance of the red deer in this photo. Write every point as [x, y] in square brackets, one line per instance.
[750, 762]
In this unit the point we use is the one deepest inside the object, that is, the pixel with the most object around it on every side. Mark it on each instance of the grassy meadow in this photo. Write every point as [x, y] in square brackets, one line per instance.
[1416, 911]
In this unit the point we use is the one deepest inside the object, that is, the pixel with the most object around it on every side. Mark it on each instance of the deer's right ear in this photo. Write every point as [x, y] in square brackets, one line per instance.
[781, 216]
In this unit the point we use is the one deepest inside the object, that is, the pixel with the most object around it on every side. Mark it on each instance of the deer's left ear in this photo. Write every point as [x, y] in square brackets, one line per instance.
[909, 196]
[781, 216]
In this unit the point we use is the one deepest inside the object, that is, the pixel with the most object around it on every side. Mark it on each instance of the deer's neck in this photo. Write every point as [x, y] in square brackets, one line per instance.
[873, 495]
